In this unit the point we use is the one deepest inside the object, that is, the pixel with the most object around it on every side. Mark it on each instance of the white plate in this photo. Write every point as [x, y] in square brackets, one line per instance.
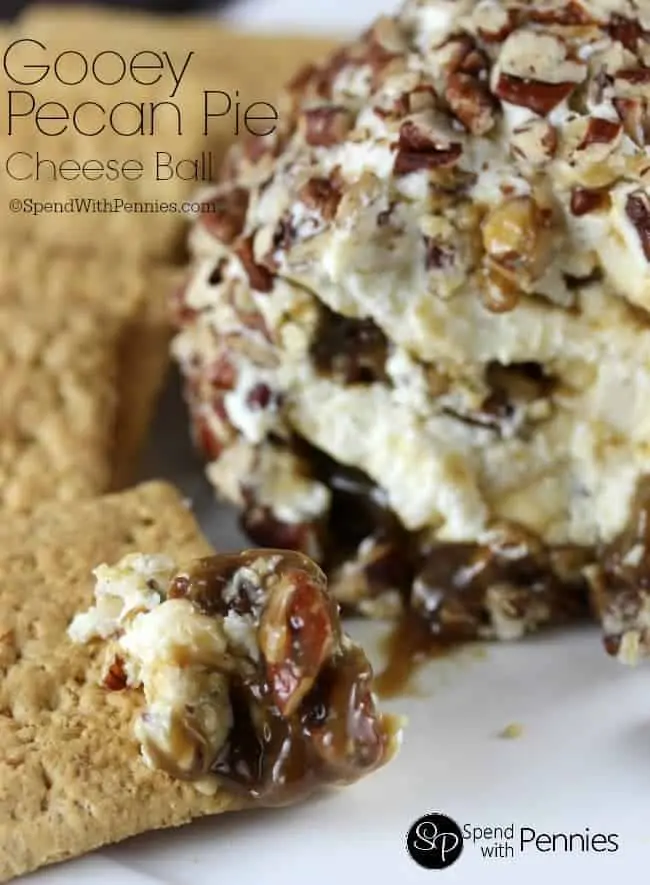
[582, 761]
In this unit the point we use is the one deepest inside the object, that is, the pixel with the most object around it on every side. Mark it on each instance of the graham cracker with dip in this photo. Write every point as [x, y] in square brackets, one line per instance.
[71, 777]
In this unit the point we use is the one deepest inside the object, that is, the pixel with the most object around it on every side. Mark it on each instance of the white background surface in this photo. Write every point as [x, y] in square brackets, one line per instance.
[583, 759]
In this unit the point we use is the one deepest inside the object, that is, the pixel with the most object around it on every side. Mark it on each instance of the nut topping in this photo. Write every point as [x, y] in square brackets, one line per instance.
[260, 277]
[538, 97]
[626, 30]
[635, 116]
[637, 209]
[326, 126]
[321, 195]
[227, 214]
[585, 200]
[418, 150]
[471, 102]
[600, 131]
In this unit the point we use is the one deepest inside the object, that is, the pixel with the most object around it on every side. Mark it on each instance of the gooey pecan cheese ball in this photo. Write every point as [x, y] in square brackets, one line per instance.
[248, 680]
[415, 336]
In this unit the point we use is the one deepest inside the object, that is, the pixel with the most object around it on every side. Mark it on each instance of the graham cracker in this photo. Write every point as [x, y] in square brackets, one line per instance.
[132, 297]
[71, 775]
[58, 402]
[247, 67]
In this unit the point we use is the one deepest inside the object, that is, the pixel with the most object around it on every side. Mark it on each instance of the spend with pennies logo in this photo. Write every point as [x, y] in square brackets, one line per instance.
[435, 841]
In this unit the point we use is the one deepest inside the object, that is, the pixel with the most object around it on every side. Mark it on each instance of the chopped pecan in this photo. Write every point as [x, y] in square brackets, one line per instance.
[462, 55]
[637, 208]
[221, 373]
[586, 200]
[206, 439]
[260, 396]
[636, 76]
[513, 233]
[635, 117]
[326, 125]
[535, 142]
[299, 84]
[471, 102]
[438, 255]
[226, 215]
[296, 635]
[494, 23]
[387, 34]
[260, 277]
[115, 678]
[571, 13]
[533, 94]
[418, 150]
[600, 131]
[181, 312]
[627, 31]
[320, 195]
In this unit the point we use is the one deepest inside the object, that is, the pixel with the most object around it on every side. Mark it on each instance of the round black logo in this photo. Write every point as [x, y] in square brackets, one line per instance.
[435, 841]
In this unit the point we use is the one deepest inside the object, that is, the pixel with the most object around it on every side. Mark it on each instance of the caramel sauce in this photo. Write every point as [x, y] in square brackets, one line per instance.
[408, 646]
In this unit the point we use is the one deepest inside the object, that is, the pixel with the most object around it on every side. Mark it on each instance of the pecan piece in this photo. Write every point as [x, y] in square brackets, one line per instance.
[626, 31]
[600, 131]
[636, 76]
[572, 13]
[532, 94]
[322, 196]
[296, 635]
[326, 126]
[260, 277]
[439, 255]
[226, 215]
[634, 114]
[115, 678]
[471, 102]
[417, 150]
[637, 209]
[586, 200]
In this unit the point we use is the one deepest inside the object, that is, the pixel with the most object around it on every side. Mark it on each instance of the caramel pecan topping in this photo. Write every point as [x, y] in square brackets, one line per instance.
[296, 637]
[322, 196]
[326, 126]
[600, 131]
[637, 208]
[226, 216]
[586, 200]
[471, 102]
[533, 94]
[416, 150]
[260, 277]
